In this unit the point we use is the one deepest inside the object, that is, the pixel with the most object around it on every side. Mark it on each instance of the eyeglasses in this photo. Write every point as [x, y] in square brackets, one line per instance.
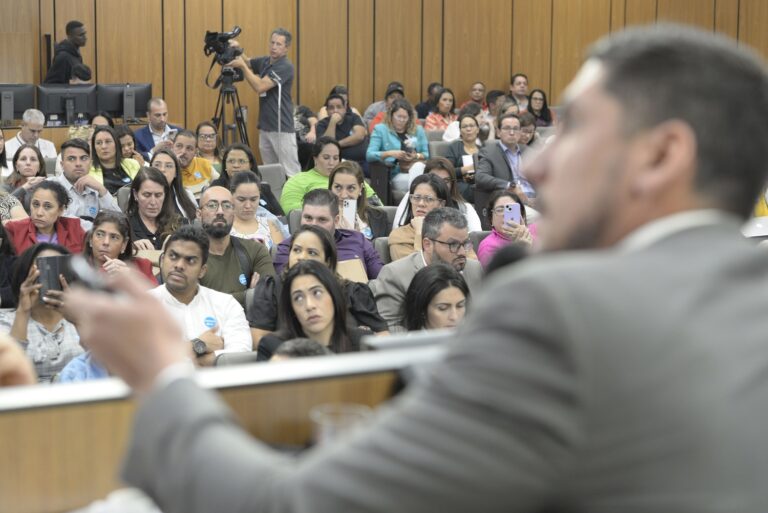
[207, 137]
[509, 129]
[418, 198]
[454, 247]
[241, 162]
[213, 206]
[401, 118]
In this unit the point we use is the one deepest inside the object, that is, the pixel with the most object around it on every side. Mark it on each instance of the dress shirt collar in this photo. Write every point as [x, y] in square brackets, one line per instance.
[504, 149]
[651, 233]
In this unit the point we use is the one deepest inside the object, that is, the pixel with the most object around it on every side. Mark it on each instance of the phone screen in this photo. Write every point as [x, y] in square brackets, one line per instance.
[512, 213]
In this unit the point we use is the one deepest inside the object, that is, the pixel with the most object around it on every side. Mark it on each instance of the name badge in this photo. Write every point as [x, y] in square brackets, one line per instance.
[209, 322]
[198, 175]
[241, 279]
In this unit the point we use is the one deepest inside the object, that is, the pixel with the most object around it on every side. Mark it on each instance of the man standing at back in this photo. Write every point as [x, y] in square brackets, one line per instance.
[272, 77]
[629, 376]
[67, 54]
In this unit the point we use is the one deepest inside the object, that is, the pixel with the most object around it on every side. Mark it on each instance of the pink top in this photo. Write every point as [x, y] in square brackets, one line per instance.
[495, 241]
[436, 121]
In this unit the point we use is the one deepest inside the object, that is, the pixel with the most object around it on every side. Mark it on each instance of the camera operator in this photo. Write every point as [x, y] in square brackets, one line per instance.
[277, 144]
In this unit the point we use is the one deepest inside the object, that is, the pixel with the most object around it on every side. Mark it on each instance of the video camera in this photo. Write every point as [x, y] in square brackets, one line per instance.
[218, 43]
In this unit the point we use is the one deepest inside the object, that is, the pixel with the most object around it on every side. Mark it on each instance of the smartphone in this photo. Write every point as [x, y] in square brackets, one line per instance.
[50, 268]
[349, 210]
[512, 213]
[172, 134]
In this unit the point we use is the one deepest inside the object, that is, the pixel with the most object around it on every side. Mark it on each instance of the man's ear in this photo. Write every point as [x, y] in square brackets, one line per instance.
[665, 156]
[426, 245]
[203, 270]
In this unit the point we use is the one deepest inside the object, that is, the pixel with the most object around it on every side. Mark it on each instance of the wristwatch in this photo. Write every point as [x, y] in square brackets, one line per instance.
[199, 347]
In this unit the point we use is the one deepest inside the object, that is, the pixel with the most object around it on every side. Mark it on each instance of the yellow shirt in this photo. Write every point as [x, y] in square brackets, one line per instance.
[198, 173]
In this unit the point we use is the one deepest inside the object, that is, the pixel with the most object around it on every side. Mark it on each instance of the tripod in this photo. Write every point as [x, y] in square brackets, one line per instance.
[228, 96]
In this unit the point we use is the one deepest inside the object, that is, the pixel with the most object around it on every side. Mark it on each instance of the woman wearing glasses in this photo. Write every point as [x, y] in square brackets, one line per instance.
[237, 158]
[208, 144]
[427, 193]
[504, 230]
[150, 210]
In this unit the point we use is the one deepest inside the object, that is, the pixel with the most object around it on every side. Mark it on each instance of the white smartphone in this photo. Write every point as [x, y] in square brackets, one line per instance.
[512, 213]
[349, 210]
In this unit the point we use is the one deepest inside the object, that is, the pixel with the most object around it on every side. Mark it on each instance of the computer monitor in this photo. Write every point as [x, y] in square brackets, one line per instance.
[15, 99]
[67, 100]
[123, 100]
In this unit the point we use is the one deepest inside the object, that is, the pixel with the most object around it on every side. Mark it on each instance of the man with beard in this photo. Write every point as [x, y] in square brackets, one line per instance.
[445, 239]
[234, 264]
[211, 321]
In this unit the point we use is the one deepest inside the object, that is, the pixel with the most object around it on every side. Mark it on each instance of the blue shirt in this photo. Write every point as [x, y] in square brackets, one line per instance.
[513, 159]
[82, 368]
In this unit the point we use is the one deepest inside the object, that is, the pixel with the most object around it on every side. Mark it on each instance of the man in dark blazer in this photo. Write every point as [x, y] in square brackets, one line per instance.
[631, 376]
[158, 133]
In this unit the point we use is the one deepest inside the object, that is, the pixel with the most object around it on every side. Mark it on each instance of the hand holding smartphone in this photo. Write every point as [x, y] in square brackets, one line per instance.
[512, 214]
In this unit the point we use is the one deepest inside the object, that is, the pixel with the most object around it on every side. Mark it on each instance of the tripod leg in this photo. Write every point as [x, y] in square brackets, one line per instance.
[239, 121]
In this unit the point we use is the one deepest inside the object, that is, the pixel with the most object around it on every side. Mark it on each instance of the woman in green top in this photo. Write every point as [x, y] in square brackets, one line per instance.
[109, 167]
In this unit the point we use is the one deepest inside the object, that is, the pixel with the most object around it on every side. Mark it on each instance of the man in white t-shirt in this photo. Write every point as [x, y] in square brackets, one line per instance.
[212, 321]
[32, 123]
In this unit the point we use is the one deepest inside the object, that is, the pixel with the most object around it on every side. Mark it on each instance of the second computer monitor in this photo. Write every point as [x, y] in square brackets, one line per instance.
[67, 100]
[124, 100]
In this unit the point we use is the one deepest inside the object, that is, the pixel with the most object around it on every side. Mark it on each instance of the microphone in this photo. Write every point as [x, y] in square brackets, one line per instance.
[275, 77]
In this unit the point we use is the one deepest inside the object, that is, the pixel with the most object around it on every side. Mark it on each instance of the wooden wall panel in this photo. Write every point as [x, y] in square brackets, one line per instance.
[753, 18]
[478, 45]
[174, 79]
[19, 41]
[201, 15]
[618, 14]
[639, 12]
[258, 18]
[532, 42]
[431, 47]
[360, 48]
[727, 17]
[693, 12]
[576, 24]
[145, 63]
[323, 49]
[84, 11]
[397, 53]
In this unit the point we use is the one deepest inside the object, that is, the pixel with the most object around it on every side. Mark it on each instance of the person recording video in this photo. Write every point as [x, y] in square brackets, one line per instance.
[272, 76]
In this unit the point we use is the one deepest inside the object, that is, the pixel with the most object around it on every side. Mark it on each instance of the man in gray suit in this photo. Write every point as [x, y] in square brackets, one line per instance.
[445, 239]
[631, 377]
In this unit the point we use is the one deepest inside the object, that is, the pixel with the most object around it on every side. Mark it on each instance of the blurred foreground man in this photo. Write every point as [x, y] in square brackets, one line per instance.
[630, 377]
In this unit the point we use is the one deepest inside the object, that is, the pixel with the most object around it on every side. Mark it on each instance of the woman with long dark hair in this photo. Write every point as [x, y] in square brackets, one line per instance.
[248, 224]
[109, 166]
[348, 182]
[436, 299]
[28, 170]
[443, 114]
[150, 210]
[537, 105]
[109, 246]
[183, 201]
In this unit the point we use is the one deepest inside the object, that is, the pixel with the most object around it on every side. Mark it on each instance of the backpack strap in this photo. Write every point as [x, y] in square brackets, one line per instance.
[242, 257]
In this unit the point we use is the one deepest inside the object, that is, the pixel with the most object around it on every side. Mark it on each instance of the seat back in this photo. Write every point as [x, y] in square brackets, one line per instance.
[381, 245]
[435, 135]
[274, 175]
[50, 166]
[123, 195]
[380, 173]
[438, 148]
[294, 220]
[477, 238]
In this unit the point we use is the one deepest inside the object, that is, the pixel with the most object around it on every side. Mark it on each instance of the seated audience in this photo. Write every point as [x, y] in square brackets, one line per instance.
[38, 324]
[127, 140]
[394, 91]
[208, 144]
[399, 142]
[212, 321]
[326, 153]
[348, 183]
[158, 133]
[298, 348]
[486, 130]
[342, 91]
[518, 89]
[32, 123]
[476, 95]
[443, 114]
[7, 259]
[109, 167]
[196, 172]
[313, 306]
[311, 243]
[445, 239]
[248, 224]
[444, 170]
[321, 208]
[504, 231]
[424, 108]
[234, 264]
[459, 152]
[345, 127]
[436, 299]
[150, 210]
[427, 193]
[184, 203]
[28, 171]
[537, 105]
[48, 201]
[109, 246]
[87, 195]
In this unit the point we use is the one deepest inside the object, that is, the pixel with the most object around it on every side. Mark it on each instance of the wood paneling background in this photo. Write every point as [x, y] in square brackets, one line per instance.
[362, 43]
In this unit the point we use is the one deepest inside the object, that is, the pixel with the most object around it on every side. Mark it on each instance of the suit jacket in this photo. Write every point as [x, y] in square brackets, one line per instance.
[493, 171]
[144, 140]
[631, 381]
[394, 278]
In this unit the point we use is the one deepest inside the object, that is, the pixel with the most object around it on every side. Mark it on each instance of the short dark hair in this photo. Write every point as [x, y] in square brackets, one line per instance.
[20, 269]
[516, 75]
[329, 244]
[471, 108]
[507, 116]
[103, 114]
[434, 221]
[677, 72]
[322, 142]
[322, 198]
[80, 144]
[492, 96]
[56, 188]
[186, 133]
[190, 233]
[504, 193]
[335, 96]
[300, 348]
[72, 26]
[243, 178]
[283, 32]
[425, 285]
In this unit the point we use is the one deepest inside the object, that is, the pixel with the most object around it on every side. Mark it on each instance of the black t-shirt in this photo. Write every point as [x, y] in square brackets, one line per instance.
[344, 130]
[114, 179]
[140, 231]
[268, 101]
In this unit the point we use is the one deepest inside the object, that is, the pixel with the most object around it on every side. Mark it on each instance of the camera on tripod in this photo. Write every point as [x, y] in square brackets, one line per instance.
[218, 44]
